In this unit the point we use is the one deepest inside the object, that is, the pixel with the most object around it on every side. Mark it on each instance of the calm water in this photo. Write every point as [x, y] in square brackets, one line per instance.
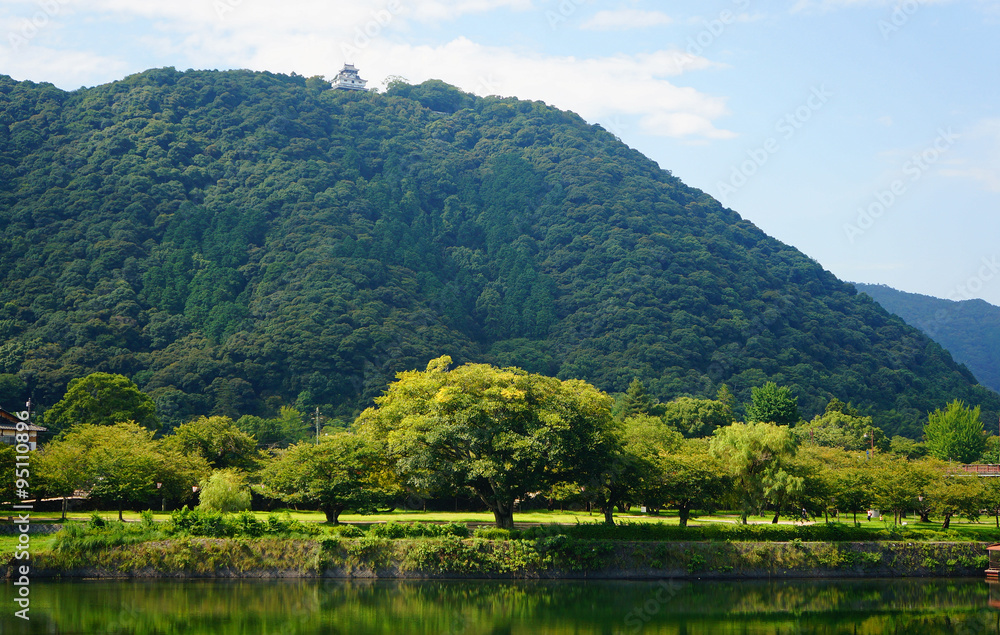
[469, 608]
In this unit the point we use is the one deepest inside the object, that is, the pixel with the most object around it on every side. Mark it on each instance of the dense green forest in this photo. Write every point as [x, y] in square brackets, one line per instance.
[238, 241]
[969, 329]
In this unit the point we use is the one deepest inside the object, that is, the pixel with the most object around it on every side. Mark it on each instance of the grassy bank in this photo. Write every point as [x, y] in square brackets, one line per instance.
[556, 557]
[192, 544]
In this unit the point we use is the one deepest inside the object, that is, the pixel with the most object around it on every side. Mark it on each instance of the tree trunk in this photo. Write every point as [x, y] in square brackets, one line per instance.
[333, 514]
[120, 513]
[774, 521]
[947, 521]
[504, 517]
[743, 516]
[684, 513]
[66, 504]
[925, 516]
[997, 516]
[609, 515]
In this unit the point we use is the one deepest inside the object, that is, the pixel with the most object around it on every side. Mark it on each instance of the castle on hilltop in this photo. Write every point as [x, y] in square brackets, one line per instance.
[348, 79]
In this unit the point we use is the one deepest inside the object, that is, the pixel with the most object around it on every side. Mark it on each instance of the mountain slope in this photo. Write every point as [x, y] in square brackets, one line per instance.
[969, 329]
[235, 240]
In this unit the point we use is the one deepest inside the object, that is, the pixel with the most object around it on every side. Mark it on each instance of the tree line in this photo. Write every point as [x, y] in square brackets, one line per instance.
[504, 436]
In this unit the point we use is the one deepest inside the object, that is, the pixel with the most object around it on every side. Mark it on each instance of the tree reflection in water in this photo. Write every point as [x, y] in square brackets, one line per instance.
[494, 607]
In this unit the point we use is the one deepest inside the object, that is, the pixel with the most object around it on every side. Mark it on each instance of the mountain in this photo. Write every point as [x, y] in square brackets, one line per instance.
[235, 241]
[969, 329]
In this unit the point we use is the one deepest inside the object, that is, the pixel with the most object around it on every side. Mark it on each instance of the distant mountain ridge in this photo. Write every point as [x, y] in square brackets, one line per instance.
[235, 241]
[968, 329]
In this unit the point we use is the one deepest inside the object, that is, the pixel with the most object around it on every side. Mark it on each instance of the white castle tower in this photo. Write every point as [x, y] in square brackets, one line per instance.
[347, 79]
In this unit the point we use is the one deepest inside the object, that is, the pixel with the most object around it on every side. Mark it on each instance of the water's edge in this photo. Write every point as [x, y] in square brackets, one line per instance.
[500, 559]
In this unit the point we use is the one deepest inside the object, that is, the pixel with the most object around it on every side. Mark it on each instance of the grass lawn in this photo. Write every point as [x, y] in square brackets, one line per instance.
[985, 530]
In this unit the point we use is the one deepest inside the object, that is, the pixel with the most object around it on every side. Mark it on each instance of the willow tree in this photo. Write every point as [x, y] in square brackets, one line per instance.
[755, 454]
[504, 433]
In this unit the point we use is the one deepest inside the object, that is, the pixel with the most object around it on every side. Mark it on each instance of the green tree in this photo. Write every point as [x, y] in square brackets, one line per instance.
[908, 448]
[781, 487]
[343, 471]
[61, 469]
[854, 489]
[13, 390]
[991, 498]
[754, 453]
[122, 463]
[696, 417]
[899, 484]
[771, 404]
[692, 479]
[839, 429]
[217, 440]
[635, 401]
[502, 432]
[632, 471]
[8, 459]
[102, 399]
[955, 433]
[118, 465]
[225, 491]
[957, 494]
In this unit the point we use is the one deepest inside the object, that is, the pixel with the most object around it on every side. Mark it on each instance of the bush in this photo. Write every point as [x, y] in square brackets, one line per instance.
[492, 533]
[394, 530]
[347, 531]
[198, 522]
[225, 491]
[833, 532]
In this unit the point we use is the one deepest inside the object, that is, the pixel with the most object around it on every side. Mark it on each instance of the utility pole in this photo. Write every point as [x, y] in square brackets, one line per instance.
[317, 424]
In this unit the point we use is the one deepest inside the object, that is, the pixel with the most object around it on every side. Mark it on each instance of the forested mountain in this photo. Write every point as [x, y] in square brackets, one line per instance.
[234, 241]
[968, 329]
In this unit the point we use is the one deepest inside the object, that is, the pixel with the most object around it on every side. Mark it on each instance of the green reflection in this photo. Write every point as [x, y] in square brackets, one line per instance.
[495, 607]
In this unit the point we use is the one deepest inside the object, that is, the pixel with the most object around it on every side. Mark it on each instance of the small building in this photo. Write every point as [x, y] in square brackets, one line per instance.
[348, 79]
[994, 571]
[8, 430]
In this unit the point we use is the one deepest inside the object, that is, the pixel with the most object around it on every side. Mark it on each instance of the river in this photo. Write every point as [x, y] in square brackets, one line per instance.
[960, 607]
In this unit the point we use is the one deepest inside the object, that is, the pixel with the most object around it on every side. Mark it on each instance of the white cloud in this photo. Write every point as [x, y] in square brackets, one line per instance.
[66, 68]
[314, 37]
[595, 88]
[625, 19]
[979, 158]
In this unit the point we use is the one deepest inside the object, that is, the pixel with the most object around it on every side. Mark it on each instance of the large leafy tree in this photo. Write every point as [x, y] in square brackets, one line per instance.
[217, 440]
[119, 465]
[696, 417]
[62, 469]
[504, 433]
[8, 459]
[755, 455]
[841, 426]
[957, 494]
[955, 433]
[773, 404]
[102, 399]
[900, 484]
[692, 479]
[632, 471]
[343, 471]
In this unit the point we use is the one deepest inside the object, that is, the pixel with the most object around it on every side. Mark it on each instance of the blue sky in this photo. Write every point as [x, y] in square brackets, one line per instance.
[866, 133]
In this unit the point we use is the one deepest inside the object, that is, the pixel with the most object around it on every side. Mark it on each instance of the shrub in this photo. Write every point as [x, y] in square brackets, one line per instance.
[492, 533]
[225, 491]
[347, 531]
[394, 530]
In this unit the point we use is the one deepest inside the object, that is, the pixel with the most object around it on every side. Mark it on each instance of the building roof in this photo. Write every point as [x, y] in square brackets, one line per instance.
[8, 421]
